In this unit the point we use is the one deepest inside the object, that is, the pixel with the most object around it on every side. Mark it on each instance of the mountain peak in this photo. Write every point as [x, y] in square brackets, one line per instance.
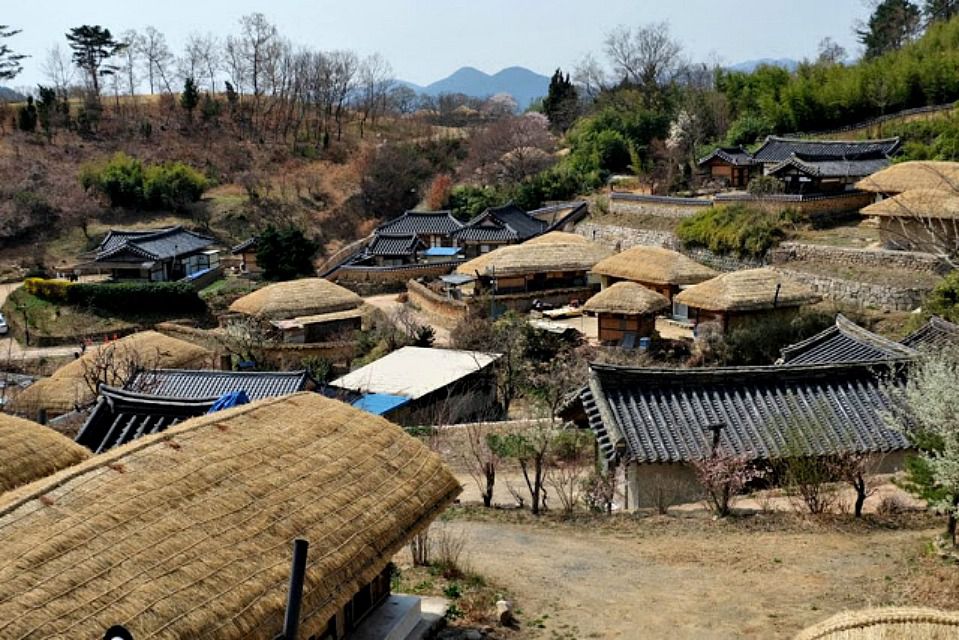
[523, 84]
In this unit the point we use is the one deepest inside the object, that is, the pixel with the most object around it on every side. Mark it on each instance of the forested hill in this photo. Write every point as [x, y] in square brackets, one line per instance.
[827, 95]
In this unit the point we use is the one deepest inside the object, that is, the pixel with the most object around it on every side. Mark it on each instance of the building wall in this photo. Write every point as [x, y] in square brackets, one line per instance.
[912, 235]
[444, 311]
[373, 280]
[662, 206]
[613, 327]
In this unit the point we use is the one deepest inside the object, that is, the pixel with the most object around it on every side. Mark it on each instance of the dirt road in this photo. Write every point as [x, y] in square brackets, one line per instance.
[684, 580]
[11, 350]
[390, 306]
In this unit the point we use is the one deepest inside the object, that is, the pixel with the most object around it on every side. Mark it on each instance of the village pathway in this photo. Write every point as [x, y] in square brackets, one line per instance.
[682, 579]
[11, 350]
[391, 306]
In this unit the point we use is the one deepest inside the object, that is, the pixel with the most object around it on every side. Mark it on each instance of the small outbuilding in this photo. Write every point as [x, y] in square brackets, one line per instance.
[247, 252]
[738, 297]
[626, 312]
[919, 220]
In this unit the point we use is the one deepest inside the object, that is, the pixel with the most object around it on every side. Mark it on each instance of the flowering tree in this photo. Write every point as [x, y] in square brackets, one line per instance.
[724, 475]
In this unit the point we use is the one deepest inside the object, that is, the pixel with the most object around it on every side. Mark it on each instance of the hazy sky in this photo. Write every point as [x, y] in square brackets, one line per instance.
[428, 39]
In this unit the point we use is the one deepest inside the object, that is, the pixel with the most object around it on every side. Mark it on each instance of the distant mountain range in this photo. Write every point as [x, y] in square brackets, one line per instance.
[750, 65]
[524, 85]
[9, 95]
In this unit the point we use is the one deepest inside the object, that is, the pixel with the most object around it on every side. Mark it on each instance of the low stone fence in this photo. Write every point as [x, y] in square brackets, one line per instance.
[662, 206]
[876, 296]
[622, 238]
[881, 258]
[444, 311]
[813, 207]
[377, 280]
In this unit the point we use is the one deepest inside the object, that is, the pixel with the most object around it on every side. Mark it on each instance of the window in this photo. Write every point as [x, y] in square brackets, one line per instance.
[484, 248]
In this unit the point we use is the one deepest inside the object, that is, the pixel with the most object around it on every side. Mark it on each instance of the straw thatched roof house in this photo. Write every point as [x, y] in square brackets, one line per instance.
[658, 268]
[67, 389]
[558, 237]
[919, 174]
[99, 544]
[626, 311]
[913, 623]
[304, 297]
[918, 220]
[739, 296]
[31, 451]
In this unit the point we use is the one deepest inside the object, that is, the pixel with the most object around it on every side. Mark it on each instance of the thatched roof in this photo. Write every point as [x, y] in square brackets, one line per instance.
[627, 298]
[920, 174]
[66, 388]
[558, 237]
[304, 297]
[538, 256]
[656, 265]
[913, 623]
[187, 534]
[31, 451]
[917, 203]
[747, 290]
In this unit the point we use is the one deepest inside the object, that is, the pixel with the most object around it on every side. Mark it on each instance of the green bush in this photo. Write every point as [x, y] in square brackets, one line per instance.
[125, 182]
[285, 254]
[119, 297]
[733, 229]
[944, 299]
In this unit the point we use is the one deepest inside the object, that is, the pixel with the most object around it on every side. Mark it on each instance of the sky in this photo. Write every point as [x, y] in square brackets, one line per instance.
[426, 40]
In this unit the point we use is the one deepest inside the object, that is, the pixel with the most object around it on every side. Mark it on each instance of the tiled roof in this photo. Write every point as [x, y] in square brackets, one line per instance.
[558, 215]
[193, 384]
[421, 223]
[157, 244]
[123, 416]
[776, 149]
[855, 168]
[666, 415]
[249, 243]
[935, 334]
[393, 245]
[508, 223]
[845, 341]
[732, 155]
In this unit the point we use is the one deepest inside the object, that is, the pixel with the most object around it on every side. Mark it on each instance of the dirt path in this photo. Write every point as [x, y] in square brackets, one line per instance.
[390, 305]
[10, 349]
[687, 580]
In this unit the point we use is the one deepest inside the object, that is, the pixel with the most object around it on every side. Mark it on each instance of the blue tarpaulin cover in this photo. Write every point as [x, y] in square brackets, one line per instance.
[442, 251]
[228, 400]
[379, 403]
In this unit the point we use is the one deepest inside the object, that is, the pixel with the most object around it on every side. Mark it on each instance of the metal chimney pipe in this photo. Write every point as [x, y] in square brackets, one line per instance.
[291, 621]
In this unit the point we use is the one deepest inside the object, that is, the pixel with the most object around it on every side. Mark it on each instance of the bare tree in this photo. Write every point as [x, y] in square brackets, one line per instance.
[480, 460]
[571, 461]
[157, 57]
[375, 81]
[117, 364]
[589, 76]
[646, 56]
[130, 60]
[58, 69]
[510, 150]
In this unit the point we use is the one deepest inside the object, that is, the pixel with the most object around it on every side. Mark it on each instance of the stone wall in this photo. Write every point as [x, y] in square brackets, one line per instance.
[443, 311]
[622, 238]
[662, 206]
[881, 258]
[815, 207]
[376, 280]
[876, 296]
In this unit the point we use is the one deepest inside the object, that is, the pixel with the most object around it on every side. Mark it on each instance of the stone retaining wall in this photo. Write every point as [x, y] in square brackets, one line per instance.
[908, 260]
[622, 238]
[662, 206]
[868, 295]
[444, 311]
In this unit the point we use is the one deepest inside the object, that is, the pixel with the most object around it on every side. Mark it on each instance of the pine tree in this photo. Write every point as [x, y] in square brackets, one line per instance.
[190, 97]
[940, 10]
[27, 116]
[561, 103]
[93, 46]
[10, 66]
[891, 25]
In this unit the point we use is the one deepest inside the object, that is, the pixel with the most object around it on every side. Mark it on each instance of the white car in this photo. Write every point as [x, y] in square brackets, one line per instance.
[4, 329]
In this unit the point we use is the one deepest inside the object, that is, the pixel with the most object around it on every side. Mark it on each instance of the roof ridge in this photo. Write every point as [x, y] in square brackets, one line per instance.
[769, 371]
[850, 328]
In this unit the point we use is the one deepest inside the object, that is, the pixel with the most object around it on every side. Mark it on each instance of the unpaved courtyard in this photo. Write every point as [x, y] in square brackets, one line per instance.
[687, 577]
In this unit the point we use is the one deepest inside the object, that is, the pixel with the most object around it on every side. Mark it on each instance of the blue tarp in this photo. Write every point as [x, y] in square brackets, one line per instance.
[228, 400]
[442, 251]
[379, 403]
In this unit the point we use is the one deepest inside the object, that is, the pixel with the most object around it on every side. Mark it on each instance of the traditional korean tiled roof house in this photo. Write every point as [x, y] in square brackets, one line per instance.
[663, 270]
[935, 335]
[247, 252]
[32, 451]
[846, 341]
[416, 386]
[169, 253]
[187, 534]
[626, 312]
[433, 228]
[738, 297]
[495, 227]
[733, 165]
[652, 423]
[562, 216]
[387, 250]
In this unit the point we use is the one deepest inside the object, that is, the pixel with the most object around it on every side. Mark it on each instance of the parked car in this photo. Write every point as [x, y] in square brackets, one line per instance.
[4, 329]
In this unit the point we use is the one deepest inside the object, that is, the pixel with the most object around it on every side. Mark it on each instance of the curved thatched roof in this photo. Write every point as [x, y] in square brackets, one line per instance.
[558, 237]
[304, 297]
[627, 298]
[885, 624]
[656, 265]
[66, 388]
[917, 203]
[31, 451]
[919, 174]
[187, 534]
[747, 290]
[560, 254]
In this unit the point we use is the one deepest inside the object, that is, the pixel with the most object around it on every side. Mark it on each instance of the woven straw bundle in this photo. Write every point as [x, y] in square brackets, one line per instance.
[887, 624]
[187, 534]
[304, 297]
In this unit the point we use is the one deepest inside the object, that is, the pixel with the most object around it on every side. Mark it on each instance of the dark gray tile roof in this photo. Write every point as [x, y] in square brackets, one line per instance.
[394, 245]
[845, 341]
[776, 149]
[855, 168]
[421, 223]
[935, 334]
[122, 416]
[732, 155]
[193, 384]
[157, 244]
[665, 415]
[249, 243]
[557, 215]
[508, 223]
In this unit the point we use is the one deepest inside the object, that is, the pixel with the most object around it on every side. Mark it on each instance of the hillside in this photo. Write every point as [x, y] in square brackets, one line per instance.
[524, 85]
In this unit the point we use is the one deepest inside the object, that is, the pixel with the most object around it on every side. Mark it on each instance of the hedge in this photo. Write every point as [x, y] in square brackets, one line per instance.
[120, 297]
